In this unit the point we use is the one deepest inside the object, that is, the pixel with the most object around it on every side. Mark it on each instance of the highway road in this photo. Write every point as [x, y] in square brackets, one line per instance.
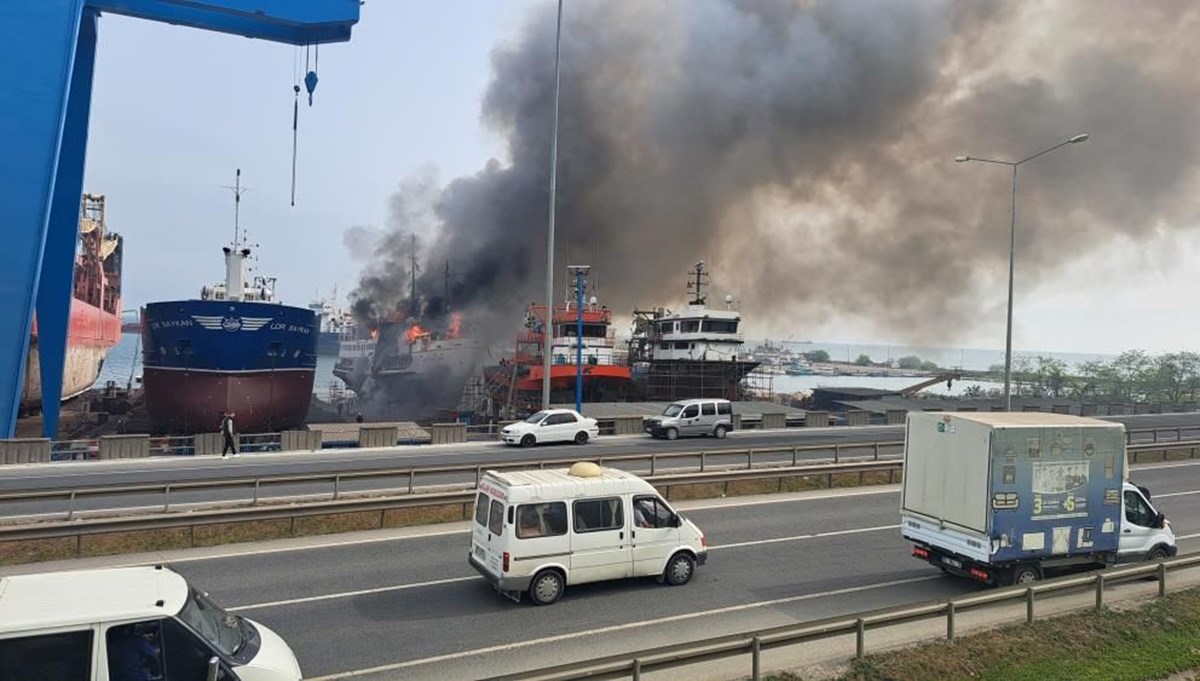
[159, 470]
[405, 604]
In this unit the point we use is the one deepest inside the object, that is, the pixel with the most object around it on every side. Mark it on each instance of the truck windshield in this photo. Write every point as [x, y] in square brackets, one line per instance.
[221, 629]
[673, 410]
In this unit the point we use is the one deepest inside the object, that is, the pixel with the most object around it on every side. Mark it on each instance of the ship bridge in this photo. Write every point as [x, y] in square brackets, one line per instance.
[43, 131]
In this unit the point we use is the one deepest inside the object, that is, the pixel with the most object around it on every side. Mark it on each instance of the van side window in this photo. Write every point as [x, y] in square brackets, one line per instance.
[708, 409]
[185, 655]
[1136, 510]
[593, 515]
[691, 411]
[724, 408]
[135, 651]
[650, 511]
[66, 656]
[496, 518]
[541, 520]
[481, 509]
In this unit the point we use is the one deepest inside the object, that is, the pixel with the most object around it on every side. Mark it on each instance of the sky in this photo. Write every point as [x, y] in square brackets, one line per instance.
[419, 92]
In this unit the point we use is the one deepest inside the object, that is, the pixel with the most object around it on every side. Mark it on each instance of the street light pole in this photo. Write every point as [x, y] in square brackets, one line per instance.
[1012, 252]
[548, 326]
[580, 272]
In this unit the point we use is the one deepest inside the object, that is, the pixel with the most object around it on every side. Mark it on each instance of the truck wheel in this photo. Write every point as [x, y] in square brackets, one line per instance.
[672, 434]
[719, 433]
[528, 441]
[547, 587]
[1025, 574]
[1156, 553]
[680, 569]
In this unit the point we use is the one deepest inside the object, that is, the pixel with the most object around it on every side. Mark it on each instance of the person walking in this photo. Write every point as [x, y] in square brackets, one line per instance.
[229, 435]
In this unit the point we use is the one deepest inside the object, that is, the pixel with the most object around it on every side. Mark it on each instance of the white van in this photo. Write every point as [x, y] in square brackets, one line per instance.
[538, 531]
[130, 623]
[693, 417]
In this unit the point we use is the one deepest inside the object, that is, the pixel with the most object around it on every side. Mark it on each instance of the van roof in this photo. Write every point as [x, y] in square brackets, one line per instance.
[558, 483]
[1024, 418]
[701, 399]
[57, 599]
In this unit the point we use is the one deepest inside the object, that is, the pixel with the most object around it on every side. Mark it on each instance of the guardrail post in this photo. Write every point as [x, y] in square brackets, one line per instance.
[837, 450]
[255, 500]
[876, 451]
[71, 506]
[703, 458]
[749, 459]
[795, 454]
[337, 484]
[637, 669]
[166, 498]
[755, 648]
[1029, 605]
[653, 463]
[1162, 580]
[950, 621]
[412, 474]
[1099, 591]
[478, 475]
[860, 638]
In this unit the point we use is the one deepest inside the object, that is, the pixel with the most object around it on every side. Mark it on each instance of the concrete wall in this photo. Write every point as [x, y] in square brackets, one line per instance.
[816, 419]
[896, 416]
[377, 436]
[25, 450]
[776, 420]
[628, 425]
[736, 420]
[858, 417]
[1061, 409]
[1031, 407]
[1088, 410]
[124, 446]
[447, 433]
[205, 444]
[299, 440]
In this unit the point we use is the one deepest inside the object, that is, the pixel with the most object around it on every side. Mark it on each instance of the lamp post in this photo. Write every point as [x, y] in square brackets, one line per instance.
[1012, 247]
[548, 327]
[580, 272]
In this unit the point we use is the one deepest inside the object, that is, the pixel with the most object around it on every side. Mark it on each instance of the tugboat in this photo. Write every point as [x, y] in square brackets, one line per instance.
[233, 350]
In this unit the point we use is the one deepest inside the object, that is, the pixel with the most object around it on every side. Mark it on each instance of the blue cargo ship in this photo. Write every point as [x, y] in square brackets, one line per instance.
[232, 350]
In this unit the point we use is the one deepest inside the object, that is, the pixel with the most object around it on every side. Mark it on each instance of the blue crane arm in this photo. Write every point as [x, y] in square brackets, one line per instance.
[297, 22]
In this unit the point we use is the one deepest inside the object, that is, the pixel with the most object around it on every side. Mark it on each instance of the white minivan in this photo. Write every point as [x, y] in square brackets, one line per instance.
[538, 531]
[130, 623]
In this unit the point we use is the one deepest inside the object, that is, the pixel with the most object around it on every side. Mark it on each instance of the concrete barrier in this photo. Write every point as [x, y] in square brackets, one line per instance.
[1141, 408]
[299, 440]
[1116, 409]
[1156, 408]
[998, 407]
[1190, 406]
[1031, 408]
[968, 409]
[1061, 409]
[25, 450]
[629, 425]
[377, 436]
[447, 433]
[775, 420]
[736, 420]
[207, 444]
[124, 446]
[815, 419]
[1088, 410]
[896, 416]
[858, 417]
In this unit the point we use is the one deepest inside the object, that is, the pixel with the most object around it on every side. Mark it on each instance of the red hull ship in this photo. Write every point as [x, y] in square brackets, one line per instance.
[517, 382]
[95, 322]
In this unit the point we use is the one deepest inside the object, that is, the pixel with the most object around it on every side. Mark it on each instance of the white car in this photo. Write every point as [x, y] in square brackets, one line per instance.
[551, 425]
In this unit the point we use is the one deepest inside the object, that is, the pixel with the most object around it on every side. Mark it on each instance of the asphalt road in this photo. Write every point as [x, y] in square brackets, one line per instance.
[160, 470]
[410, 607]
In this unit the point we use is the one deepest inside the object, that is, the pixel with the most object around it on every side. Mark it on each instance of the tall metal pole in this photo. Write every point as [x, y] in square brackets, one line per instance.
[548, 327]
[1012, 251]
[580, 273]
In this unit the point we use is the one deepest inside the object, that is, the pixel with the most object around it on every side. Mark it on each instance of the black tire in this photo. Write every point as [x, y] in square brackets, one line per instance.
[546, 588]
[679, 569]
[581, 438]
[1156, 553]
[719, 432]
[1024, 575]
[672, 434]
[529, 440]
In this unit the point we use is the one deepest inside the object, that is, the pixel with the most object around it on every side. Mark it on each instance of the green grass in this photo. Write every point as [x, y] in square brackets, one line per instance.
[1137, 644]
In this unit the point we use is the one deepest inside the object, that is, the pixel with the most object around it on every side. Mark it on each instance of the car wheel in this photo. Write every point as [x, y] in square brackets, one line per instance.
[1156, 553]
[528, 441]
[1025, 574]
[672, 434]
[719, 432]
[680, 569]
[581, 438]
[547, 587]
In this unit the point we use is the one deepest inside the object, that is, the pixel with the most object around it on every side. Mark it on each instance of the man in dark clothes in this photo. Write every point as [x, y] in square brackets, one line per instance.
[229, 435]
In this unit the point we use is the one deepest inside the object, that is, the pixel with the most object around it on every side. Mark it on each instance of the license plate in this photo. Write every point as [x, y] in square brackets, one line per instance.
[480, 553]
[952, 562]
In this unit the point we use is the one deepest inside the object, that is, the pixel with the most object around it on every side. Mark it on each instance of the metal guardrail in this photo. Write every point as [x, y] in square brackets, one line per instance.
[703, 460]
[165, 520]
[632, 665]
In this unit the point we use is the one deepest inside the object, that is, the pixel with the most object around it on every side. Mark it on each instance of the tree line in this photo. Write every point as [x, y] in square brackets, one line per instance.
[1132, 376]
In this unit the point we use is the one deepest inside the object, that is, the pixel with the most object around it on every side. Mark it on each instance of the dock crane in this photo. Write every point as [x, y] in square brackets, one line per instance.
[51, 47]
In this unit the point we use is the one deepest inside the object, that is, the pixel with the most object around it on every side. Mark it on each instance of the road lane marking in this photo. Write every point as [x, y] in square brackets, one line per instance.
[351, 594]
[1176, 494]
[799, 537]
[621, 627]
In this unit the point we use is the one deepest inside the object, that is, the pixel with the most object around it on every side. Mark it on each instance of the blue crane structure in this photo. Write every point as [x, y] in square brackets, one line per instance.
[49, 47]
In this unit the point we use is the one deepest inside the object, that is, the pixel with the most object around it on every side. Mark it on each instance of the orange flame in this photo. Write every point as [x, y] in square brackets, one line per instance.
[455, 328]
[413, 333]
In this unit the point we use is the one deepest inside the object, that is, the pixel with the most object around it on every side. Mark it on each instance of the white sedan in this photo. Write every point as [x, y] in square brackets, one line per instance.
[551, 425]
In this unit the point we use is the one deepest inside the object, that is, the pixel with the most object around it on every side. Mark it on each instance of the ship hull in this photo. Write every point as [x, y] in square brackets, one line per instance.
[671, 380]
[328, 343]
[202, 358]
[91, 334]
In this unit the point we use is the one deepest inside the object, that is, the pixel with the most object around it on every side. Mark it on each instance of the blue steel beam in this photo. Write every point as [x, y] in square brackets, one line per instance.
[43, 130]
[57, 279]
[298, 22]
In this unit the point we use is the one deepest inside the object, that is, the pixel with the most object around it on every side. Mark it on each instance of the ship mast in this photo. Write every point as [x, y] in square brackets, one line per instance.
[235, 257]
[696, 287]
